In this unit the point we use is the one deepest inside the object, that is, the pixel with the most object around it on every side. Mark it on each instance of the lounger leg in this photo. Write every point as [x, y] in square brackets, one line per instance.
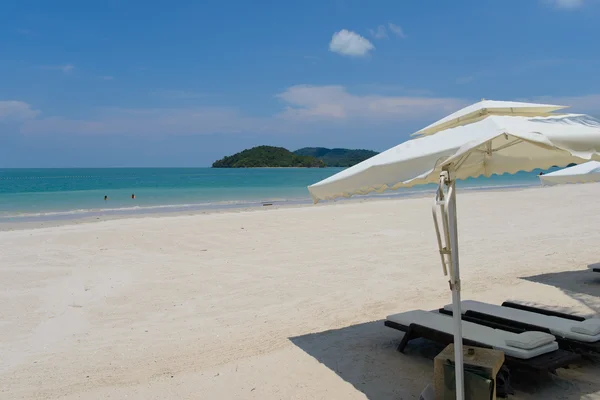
[408, 336]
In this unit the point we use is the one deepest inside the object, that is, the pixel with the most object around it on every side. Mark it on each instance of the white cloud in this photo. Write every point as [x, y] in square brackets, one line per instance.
[334, 103]
[64, 68]
[379, 33]
[319, 105]
[178, 94]
[464, 79]
[378, 88]
[16, 111]
[566, 4]
[349, 43]
[382, 32]
[397, 30]
[588, 104]
[144, 121]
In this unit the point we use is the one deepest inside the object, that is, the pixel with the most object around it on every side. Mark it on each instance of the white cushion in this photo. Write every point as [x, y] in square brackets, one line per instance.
[589, 327]
[530, 340]
[471, 331]
[558, 326]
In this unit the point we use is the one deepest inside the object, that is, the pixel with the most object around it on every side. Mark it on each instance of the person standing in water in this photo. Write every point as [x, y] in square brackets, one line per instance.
[105, 198]
[133, 196]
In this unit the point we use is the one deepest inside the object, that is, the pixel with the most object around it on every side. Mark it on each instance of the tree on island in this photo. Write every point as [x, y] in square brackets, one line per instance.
[268, 157]
[337, 157]
[307, 157]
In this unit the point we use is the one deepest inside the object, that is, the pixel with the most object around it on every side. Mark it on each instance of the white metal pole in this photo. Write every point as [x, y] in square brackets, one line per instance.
[455, 286]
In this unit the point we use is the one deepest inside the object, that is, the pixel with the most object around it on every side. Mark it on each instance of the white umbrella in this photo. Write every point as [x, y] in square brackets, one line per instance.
[493, 144]
[484, 108]
[582, 173]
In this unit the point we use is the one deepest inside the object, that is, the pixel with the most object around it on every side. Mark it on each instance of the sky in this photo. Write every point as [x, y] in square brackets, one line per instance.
[182, 83]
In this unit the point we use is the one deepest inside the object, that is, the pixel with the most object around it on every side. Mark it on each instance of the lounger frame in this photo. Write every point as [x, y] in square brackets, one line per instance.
[543, 311]
[545, 362]
[510, 325]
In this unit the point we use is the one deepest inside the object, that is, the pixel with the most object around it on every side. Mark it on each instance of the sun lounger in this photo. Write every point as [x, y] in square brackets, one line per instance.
[533, 350]
[570, 334]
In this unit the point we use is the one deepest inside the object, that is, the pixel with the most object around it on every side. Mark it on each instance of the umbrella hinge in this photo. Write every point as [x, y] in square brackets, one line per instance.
[445, 251]
[456, 285]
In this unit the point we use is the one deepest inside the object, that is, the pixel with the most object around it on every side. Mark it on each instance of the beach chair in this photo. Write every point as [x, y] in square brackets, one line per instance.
[527, 350]
[570, 334]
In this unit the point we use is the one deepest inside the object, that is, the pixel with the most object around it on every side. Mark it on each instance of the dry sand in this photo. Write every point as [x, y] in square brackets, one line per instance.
[278, 304]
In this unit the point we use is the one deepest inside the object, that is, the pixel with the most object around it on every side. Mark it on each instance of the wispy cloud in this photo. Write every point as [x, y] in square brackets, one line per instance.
[522, 67]
[178, 94]
[319, 105]
[565, 4]
[341, 6]
[377, 88]
[322, 107]
[397, 30]
[588, 103]
[350, 43]
[311, 59]
[143, 121]
[379, 33]
[334, 103]
[14, 110]
[24, 32]
[464, 80]
[382, 31]
[64, 68]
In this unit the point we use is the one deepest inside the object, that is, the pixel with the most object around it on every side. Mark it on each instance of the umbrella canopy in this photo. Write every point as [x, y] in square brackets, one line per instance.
[582, 173]
[493, 145]
[484, 108]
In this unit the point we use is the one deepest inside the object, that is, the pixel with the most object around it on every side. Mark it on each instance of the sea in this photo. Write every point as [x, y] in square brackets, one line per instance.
[71, 193]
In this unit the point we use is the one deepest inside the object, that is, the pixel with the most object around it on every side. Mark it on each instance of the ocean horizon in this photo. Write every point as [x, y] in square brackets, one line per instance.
[28, 194]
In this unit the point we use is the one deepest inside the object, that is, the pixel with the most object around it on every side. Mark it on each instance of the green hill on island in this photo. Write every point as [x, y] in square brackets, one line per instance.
[337, 157]
[268, 157]
[308, 157]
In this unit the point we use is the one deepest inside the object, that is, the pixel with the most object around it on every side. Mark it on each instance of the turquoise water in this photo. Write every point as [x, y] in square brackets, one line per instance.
[27, 194]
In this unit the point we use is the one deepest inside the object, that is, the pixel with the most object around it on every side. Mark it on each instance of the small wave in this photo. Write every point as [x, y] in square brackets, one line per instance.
[150, 208]
[116, 209]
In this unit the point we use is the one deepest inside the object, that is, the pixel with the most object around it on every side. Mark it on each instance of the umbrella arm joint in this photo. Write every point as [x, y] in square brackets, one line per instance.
[454, 285]
[440, 219]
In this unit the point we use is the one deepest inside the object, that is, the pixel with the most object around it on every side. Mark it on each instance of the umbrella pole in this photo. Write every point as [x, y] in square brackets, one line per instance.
[455, 287]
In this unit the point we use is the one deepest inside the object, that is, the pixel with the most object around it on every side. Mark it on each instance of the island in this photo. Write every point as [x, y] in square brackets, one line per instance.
[268, 157]
[337, 157]
[307, 157]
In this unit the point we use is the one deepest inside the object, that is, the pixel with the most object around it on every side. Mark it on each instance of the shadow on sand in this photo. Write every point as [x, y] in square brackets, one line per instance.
[583, 286]
[365, 356]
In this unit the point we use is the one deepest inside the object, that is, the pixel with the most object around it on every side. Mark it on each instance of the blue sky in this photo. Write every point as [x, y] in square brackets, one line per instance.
[182, 83]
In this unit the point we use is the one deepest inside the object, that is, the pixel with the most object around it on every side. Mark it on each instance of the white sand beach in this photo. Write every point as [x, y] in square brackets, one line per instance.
[279, 303]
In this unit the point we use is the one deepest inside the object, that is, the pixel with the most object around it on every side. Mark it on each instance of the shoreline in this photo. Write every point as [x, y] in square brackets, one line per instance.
[153, 213]
[64, 199]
